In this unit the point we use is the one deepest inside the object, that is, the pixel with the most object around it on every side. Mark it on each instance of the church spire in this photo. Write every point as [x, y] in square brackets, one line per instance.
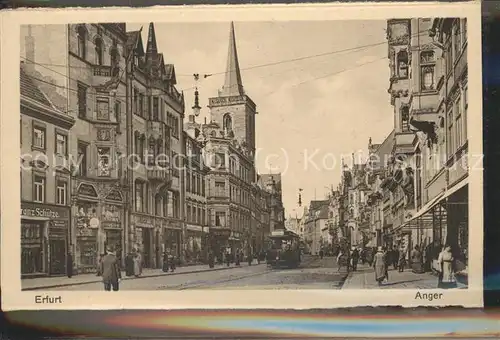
[232, 85]
[151, 47]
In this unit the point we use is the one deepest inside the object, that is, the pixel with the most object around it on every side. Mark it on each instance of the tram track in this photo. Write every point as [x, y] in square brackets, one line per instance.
[204, 284]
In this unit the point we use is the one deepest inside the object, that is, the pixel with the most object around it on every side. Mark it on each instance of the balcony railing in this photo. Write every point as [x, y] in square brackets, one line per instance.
[102, 70]
[158, 173]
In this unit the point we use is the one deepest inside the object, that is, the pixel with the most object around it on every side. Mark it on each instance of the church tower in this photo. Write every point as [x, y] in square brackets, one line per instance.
[232, 109]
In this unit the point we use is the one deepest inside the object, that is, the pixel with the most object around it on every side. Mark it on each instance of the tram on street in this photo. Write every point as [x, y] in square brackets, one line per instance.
[285, 250]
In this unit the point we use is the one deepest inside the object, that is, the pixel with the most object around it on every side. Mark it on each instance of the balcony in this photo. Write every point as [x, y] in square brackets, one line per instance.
[102, 71]
[158, 173]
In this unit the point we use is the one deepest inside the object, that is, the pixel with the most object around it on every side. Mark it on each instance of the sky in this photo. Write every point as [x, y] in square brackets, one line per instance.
[311, 111]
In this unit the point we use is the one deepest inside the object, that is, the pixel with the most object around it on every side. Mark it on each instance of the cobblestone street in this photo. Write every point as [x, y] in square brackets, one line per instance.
[364, 278]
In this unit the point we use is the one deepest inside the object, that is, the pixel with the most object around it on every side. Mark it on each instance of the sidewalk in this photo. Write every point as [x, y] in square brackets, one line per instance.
[63, 281]
[364, 278]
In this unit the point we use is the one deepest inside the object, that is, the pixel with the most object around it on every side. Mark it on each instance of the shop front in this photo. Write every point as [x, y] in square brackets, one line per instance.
[44, 239]
[194, 244]
[112, 226]
[219, 240]
[87, 233]
[144, 229]
[172, 238]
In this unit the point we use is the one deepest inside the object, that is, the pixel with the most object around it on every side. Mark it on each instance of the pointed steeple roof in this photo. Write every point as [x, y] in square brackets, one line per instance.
[233, 85]
[151, 47]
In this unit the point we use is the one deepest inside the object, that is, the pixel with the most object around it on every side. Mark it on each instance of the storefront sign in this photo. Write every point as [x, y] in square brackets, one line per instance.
[87, 190]
[220, 232]
[39, 210]
[144, 221]
[86, 232]
[111, 213]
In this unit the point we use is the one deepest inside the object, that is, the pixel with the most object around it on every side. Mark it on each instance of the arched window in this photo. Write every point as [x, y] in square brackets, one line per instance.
[213, 133]
[402, 60]
[227, 123]
[82, 41]
[98, 51]
[140, 195]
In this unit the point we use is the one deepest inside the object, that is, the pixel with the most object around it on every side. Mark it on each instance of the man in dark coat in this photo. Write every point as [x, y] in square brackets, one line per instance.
[110, 271]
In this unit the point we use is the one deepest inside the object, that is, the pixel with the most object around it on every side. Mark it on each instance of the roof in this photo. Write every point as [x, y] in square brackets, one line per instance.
[30, 90]
[321, 206]
[384, 151]
[233, 85]
[133, 38]
[170, 71]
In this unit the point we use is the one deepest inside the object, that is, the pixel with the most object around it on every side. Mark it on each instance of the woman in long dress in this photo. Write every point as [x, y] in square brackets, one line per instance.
[447, 275]
[137, 264]
[380, 265]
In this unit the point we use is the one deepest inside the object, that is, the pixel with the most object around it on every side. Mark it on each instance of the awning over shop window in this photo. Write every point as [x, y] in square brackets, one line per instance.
[456, 187]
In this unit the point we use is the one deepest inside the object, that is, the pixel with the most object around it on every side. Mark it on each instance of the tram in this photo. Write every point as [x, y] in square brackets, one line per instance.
[284, 249]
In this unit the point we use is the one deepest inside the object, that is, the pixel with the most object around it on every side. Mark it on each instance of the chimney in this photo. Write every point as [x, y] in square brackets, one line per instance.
[29, 45]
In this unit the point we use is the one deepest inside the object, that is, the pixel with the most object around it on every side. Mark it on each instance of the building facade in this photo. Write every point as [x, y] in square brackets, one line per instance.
[316, 223]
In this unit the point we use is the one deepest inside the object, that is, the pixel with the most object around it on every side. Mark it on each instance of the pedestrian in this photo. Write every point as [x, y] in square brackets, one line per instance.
[416, 260]
[172, 261]
[380, 266]
[321, 253]
[395, 258]
[69, 264]
[228, 258]
[355, 259]
[250, 258]
[165, 266]
[129, 263]
[137, 263]
[340, 260]
[110, 269]
[446, 261]
[211, 262]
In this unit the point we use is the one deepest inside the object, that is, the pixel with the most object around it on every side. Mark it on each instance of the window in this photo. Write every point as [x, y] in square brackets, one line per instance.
[98, 51]
[227, 123]
[220, 219]
[203, 186]
[115, 60]
[118, 113]
[450, 135]
[38, 189]
[466, 106]
[220, 189]
[102, 109]
[155, 108]
[402, 64]
[220, 160]
[104, 161]
[457, 107]
[136, 101]
[188, 181]
[61, 193]
[82, 158]
[193, 183]
[165, 206]
[428, 78]
[464, 30]
[61, 144]
[152, 152]
[139, 196]
[39, 137]
[82, 42]
[158, 205]
[82, 101]
[175, 205]
[449, 58]
[141, 105]
[457, 40]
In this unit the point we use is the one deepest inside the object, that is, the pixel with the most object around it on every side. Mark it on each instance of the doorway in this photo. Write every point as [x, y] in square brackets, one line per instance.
[147, 238]
[57, 264]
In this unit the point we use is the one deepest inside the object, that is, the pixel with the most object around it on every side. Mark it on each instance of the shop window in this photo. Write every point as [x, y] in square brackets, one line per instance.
[82, 41]
[61, 144]
[39, 188]
[62, 193]
[82, 100]
[104, 161]
[31, 248]
[39, 137]
[98, 51]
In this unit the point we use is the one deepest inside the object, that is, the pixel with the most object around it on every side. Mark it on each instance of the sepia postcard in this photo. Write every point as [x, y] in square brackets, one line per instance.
[306, 156]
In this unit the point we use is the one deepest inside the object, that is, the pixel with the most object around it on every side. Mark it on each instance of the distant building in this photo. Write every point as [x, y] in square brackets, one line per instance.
[316, 223]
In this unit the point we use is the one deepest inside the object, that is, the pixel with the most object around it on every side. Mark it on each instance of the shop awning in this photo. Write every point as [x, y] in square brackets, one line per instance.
[425, 209]
[456, 187]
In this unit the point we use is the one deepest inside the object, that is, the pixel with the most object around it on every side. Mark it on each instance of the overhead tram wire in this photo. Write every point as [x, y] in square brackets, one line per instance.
[206, 75]
[248, 68]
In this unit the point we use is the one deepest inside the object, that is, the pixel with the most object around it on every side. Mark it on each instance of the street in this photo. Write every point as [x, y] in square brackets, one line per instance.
[314, 273]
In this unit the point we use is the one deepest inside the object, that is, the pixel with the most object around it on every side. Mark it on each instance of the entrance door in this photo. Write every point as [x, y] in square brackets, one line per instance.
[146, 240]
[57, 262]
